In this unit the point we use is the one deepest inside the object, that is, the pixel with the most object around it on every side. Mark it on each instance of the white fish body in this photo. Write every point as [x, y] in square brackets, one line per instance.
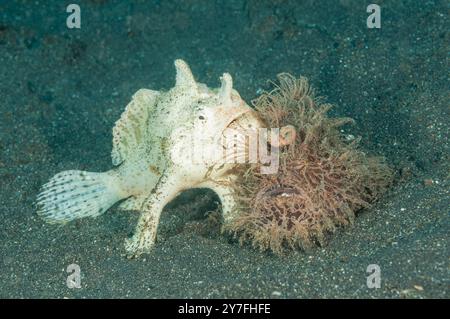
[154, 143]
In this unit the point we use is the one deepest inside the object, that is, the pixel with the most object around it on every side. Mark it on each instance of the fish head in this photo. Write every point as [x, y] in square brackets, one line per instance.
[219, 109]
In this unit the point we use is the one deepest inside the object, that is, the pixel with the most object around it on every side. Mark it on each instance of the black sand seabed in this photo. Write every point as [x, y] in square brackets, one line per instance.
[62, 90]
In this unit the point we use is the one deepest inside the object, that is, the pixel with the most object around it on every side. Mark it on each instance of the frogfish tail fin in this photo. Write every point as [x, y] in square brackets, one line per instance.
[74, 194]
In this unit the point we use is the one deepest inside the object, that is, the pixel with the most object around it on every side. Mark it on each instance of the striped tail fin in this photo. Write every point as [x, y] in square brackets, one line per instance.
[76, 194]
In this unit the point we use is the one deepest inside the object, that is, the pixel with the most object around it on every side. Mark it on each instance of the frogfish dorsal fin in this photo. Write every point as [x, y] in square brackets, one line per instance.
[226, 89]
[130, 130]
[184, 79]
